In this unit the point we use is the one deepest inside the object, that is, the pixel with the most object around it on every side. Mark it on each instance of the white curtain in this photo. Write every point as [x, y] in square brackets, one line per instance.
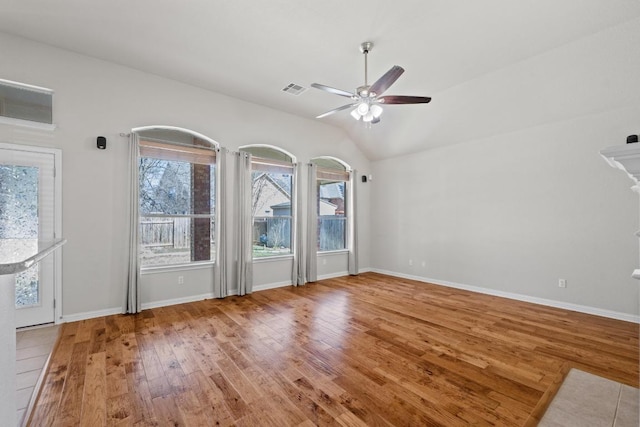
[352, 223]
[224, 231]
[132, 304]
[312, 225]
[244, 241]
[298, 275]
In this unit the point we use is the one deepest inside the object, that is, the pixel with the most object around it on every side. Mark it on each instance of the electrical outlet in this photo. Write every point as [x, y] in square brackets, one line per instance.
[410, 262]
[424, 263]
[180, 280]
[324, 262]
[562, 283]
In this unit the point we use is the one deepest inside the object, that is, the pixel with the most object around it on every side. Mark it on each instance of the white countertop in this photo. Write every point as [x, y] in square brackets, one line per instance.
[17, 255]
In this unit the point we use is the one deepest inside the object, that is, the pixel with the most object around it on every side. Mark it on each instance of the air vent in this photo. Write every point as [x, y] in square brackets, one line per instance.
[24, 104]
[294, 89]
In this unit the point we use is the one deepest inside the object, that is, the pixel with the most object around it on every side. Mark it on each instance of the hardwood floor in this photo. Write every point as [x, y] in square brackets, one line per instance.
[367, 350]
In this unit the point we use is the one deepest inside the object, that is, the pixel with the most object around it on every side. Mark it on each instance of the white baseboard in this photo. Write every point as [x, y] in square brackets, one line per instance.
[174, 301]
[519, 297]
[91, 314]
[333, 275]
[266, 286]
[321, 277]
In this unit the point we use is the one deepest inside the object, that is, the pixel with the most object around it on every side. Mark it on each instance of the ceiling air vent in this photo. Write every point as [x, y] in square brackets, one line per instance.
[26, 105]
[294, 89]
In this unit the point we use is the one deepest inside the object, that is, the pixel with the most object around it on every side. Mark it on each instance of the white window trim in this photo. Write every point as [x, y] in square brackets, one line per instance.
[198, 265]
[263, 259]
[333, 252]
[27, 123]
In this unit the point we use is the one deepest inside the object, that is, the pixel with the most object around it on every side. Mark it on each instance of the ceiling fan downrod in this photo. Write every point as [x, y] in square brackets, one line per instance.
[365, 48]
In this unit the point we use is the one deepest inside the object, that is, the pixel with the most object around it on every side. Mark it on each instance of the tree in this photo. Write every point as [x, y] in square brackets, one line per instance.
[18, 202]
[258, 183]
[165, 186]
[276, 228]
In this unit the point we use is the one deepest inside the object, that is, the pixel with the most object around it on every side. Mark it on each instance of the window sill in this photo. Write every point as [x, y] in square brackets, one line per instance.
[27, 123]
[272, 258]
[176, 267]
[329, 253]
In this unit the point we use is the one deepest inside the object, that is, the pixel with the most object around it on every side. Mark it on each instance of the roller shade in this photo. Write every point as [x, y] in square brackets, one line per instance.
[260, 164]
[332, 175]
[175, 152]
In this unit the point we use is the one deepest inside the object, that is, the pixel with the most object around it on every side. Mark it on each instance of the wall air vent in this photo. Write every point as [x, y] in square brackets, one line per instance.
[26, 105]
[294, 89]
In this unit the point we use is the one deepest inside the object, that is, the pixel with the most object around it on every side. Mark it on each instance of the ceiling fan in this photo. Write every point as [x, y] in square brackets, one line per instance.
[367, 99]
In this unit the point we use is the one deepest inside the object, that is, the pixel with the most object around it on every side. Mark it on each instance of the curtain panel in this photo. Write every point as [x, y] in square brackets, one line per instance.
[244, 241]
[224, 232]
[299, 273]
[132, 303]
[352, 224]
[312, 224]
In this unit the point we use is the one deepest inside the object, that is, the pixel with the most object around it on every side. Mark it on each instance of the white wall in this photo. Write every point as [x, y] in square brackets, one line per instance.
[513, 213]
[92, 98]
[510, 213]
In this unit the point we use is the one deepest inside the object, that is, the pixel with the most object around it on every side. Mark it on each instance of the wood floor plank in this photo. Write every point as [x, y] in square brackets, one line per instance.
[94, 400]
[211, 399]
[71, 397]
[351, 351]
[232, 398]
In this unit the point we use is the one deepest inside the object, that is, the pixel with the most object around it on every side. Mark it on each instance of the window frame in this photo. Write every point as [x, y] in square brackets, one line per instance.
[267, 165]
[164, 150]
[13, 95]
[331, 175]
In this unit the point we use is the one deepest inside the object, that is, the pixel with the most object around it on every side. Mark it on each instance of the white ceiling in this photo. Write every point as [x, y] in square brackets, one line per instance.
[470, 56]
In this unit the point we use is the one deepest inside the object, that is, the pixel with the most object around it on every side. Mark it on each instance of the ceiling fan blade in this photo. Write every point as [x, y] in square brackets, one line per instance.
[398, 99]
[335, 110]
[333, 90]
[389, 78]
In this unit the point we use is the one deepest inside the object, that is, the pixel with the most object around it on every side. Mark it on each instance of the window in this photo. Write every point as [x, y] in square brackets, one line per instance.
[331, 208]
[177, 199]
[26, 103]
[272, 189]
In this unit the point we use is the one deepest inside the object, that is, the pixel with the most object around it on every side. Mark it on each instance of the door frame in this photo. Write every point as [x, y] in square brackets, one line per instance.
[57, 220]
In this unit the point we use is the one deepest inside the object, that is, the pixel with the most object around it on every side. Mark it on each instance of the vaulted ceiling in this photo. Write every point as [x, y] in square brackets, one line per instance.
[490, 66]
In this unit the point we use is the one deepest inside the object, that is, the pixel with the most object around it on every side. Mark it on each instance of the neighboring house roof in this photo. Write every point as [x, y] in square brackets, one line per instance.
[278, 185]
[267, 192]
[281, 205]
[331, 191]
[326, 202]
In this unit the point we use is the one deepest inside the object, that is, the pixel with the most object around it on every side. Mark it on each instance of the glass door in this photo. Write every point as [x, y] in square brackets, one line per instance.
[27, 214]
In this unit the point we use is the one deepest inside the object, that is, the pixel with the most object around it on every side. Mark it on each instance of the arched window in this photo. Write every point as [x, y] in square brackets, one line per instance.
[332, 203]
[272, 195]
[176, 197]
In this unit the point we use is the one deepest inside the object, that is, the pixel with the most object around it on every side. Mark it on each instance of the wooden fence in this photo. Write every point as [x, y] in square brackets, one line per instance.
[331, 232]
[174, 232]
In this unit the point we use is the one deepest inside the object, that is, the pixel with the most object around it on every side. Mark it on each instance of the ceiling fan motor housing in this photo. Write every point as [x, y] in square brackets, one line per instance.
[363, 92]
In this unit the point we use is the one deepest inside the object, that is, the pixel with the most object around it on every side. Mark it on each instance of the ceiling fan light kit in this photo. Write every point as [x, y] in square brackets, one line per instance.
[366, 99]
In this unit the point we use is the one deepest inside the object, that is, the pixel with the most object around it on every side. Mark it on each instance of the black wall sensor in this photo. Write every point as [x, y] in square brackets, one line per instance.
[102, 142]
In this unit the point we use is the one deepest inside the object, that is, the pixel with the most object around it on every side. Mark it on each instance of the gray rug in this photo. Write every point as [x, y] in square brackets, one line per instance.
[585, 400]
